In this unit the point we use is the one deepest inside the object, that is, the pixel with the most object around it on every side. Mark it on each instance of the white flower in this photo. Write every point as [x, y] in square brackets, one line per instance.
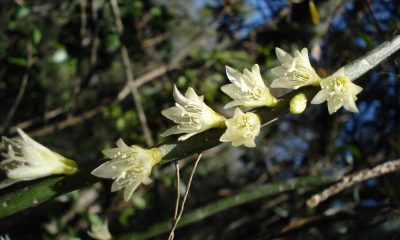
[191, 115]
[100, 232]
[298, 103]
[338, 91]
[27, 159]
[247, 89]
[129, 167]
[295, 71]
[242, 129]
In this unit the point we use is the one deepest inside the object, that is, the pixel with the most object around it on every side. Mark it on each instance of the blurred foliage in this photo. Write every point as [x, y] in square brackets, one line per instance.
[70, 52]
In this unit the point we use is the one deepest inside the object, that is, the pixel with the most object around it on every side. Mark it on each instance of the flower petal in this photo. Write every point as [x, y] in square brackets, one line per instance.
[283, 56]
[321, 97]
[350, 105]
[129, 189]
[105, 170]
[179, 98]
[233, 75]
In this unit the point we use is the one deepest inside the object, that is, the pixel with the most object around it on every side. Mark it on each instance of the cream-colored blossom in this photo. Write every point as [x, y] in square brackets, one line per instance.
[247, 89]
[129, 167]
[295, 71]
[298, 103]
[191, 115]
[242, 129]
[27, 159]
[338, 91]
[100, 232]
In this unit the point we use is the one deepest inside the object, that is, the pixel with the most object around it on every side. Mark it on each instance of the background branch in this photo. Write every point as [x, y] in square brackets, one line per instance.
[353, 179]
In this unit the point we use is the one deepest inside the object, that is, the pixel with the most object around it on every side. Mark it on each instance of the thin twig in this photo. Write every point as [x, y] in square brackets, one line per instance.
[21, 90]
[352, 179]
[178, 191]
[129, 75]
[175, 223]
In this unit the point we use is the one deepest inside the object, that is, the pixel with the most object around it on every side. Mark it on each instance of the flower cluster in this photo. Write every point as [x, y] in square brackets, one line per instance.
[296, 72]
[247, 90]
[130, 166]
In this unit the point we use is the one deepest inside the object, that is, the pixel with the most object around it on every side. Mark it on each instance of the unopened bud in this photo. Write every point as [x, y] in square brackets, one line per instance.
[298, 103]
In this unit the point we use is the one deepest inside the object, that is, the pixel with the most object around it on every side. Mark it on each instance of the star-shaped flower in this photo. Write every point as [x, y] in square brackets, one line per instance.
[129, 167]
[295, 72]
[247, 89]
[338, 91]
[191, 115]
[243, 128]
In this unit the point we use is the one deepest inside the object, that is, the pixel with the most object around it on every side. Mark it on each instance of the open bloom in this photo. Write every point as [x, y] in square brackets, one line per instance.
[191, 115]
[247, 89]
[129, 167]
[100, 232]
[295, 71]
[243, 128]
[338, 91]
[27, 159]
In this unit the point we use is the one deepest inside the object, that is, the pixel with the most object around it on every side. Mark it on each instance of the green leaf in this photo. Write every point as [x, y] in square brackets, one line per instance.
[36, 36]
[19, 61]
[112, 43]
[22, 12]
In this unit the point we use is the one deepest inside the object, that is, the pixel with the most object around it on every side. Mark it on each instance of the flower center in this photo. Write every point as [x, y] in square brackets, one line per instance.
[252, 94]
[246, 125]
[299, 74]
[338, 85]
[190, 117]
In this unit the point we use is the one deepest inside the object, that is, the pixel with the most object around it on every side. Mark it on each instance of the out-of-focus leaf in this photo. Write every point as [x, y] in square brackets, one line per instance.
[36, 36]
[19, 61]
[155, 11]
[314, 12]
[22, 12]
[112, 43]
[139, 201]
[125, 215]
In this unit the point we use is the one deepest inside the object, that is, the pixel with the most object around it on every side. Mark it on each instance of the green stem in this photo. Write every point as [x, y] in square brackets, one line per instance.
[243, 197]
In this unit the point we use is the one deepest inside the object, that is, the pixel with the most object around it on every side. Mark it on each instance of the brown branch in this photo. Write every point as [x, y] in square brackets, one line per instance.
[176, 220]
[352, 179]
[21, 90]
[178, 192]
[129, 75]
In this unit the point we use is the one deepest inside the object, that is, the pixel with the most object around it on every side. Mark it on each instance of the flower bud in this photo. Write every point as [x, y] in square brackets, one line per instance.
[298, 103]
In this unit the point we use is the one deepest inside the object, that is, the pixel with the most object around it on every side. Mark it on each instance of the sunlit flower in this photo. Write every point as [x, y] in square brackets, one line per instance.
[338, 91]
[298, 103]
[191, 115]
[295, 71]
[27, 159]
[100, 232]
[129, 167]
[247, 89]
[242, 129]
